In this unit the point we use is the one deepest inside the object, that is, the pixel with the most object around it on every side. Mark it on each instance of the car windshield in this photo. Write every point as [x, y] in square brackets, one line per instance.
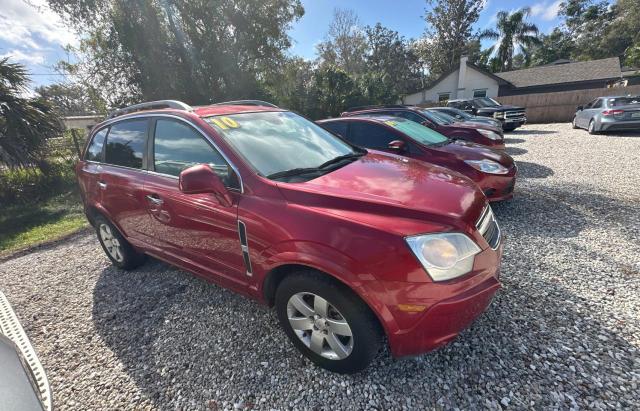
[486, 102]
[444, 116]
[275, 142]
[623, 101]
[417, 131]
[434, 117]
[454, 112]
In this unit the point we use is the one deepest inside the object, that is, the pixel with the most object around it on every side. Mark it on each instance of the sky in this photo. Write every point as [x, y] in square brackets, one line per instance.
[32, 34]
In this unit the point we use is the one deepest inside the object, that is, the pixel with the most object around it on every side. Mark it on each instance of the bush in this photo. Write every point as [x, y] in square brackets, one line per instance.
[24, 185]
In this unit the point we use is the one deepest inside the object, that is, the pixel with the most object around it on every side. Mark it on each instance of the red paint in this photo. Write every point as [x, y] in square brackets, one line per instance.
[496, 187]
[349, 223]
[458, 130]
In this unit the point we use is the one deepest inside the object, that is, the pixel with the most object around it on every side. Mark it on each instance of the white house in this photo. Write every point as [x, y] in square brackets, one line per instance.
[469, 81]
[465, 81]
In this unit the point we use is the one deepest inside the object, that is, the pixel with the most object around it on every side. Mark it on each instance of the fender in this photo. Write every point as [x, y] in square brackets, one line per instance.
[332, 262]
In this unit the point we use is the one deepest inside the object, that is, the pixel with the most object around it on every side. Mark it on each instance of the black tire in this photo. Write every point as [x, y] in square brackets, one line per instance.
[508, 129]
[592, 127]
[127, 258]
[365, 329]
[573, 124]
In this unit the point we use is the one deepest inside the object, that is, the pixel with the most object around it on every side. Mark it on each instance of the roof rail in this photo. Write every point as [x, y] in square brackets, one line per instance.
[358, 108]
[246, 103]
[150, 105]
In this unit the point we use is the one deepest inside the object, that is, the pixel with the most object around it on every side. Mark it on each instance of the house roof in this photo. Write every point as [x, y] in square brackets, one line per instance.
[604, 69]
[500, 81]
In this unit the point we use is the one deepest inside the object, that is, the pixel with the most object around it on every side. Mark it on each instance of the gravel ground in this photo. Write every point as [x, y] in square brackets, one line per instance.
[564, 332]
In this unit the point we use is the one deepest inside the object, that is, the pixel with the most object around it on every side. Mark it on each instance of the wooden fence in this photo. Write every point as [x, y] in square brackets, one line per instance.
[561, 106]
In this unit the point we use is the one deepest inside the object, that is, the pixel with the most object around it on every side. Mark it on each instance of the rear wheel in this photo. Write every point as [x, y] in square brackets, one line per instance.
[327, 322]
[573, 123]
[592, 127]
[120, 252]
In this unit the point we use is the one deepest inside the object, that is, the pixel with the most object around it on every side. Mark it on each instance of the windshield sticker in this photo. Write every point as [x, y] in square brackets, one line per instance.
[391, 123]
[223, 122]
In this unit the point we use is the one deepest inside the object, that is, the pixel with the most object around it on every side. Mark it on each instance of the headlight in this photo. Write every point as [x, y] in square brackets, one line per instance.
[444, 256]
[489, 134]
[498, 114]
[487, 166]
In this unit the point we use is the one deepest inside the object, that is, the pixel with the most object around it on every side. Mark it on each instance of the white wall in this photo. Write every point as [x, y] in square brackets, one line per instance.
[474, 80]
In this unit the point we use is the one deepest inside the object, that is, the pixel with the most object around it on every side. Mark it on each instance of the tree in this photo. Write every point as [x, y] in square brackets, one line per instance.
[72, 99]
[512, 31]
[553, 46]
[25, 123]
[333, 91]
[345, 44]
[449, 25]
[197, 51]
[391, 61]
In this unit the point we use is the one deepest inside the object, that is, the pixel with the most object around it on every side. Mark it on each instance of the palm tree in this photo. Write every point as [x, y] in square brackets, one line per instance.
[512, 31]
[25, 123]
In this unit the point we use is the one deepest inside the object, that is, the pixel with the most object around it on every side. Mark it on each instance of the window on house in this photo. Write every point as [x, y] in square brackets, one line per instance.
[480, 93]
[444, 97]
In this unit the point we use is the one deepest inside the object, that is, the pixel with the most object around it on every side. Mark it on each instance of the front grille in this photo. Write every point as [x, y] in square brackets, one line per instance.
[514, 114]
[488, 227]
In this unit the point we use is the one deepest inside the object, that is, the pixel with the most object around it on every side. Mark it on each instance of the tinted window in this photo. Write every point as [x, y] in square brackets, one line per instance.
[275, 141]
[597, 104]
[126, 143]
[417, 131]
[623, 101]
[337, 127]
[409, 116]
[94, 151]
[177, 146]
[370, 135]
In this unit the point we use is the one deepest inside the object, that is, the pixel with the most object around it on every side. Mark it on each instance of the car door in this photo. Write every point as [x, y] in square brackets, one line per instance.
[583, 116]
[195, 229]
[90, 168]
[122, 176]
[373, 135]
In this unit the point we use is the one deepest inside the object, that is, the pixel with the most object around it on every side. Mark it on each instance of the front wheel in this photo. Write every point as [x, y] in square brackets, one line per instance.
[327, 322]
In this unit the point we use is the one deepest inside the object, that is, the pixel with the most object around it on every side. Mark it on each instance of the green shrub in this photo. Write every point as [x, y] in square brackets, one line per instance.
[24, 185]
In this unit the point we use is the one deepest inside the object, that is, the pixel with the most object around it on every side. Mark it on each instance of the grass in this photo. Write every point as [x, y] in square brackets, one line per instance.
[26, 225]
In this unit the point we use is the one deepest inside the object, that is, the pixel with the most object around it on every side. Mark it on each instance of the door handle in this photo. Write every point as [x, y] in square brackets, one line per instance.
[102, 184]
[154, 199]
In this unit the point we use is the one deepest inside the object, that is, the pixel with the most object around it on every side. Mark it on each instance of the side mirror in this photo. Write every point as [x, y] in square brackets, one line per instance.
[201, 179]
[579, 108]
[398, 146]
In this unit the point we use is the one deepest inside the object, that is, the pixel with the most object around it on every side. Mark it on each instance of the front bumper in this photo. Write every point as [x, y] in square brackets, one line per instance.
[451, 306]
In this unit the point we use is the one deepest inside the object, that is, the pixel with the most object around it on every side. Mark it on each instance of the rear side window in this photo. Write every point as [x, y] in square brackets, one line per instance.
[597, 104]
[126, 143]
[409, 116]
[94, 151]
[370, 135]
[337, 127]
[178, 146]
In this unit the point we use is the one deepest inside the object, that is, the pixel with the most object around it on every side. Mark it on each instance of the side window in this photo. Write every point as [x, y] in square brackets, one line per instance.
[177, 146]
[370, 135]
[126, 143]
[337, 127]
[597, 103]
[590, 105]
[94, 151]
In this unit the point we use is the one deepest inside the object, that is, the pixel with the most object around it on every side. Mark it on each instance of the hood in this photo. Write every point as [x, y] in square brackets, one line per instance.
[386, 184]
[466, 150]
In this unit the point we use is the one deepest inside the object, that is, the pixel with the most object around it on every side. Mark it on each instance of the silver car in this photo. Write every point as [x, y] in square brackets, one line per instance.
[609, 113]
[460, 115]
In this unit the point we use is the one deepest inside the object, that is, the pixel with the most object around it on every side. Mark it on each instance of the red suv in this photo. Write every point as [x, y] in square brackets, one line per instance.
[484, 134]
[494, 171]
[349, 245]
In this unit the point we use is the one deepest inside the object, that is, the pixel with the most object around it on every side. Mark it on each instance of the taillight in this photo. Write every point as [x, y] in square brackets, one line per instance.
[613, 113]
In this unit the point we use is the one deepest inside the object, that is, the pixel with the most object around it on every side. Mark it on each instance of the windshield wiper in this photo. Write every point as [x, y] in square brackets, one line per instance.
[340, 159]
[321, 168]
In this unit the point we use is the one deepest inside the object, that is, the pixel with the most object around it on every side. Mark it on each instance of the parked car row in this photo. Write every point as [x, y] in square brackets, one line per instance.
[511, 117]
[608, 114]
[349, 244]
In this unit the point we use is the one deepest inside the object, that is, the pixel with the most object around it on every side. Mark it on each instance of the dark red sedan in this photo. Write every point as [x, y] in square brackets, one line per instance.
[494, 171]
[484, 134]
[349, 245]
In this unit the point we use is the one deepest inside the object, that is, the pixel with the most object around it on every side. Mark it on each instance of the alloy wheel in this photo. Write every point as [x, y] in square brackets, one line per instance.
[320, 326]
[111, 243]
